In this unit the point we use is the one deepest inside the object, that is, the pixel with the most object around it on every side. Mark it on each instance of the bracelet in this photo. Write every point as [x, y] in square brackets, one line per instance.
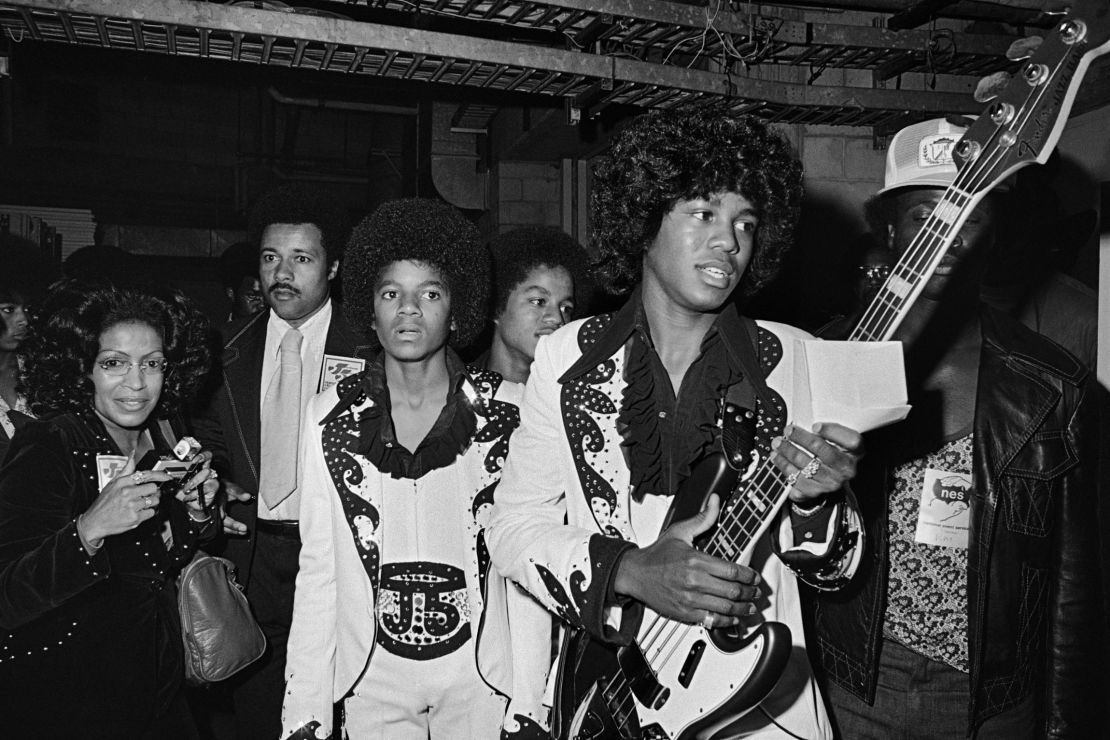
[807, 512]
[205, 518]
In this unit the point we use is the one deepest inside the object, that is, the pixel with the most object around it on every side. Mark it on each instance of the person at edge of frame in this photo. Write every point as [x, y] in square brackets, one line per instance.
[978, 613]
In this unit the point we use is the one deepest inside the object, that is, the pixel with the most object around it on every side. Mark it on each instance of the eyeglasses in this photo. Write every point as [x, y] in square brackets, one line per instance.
[874, 275]
[116, 367]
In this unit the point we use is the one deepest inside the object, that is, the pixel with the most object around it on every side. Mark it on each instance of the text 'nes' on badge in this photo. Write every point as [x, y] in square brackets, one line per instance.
[945, 511]
[107, 468]
[336, 368]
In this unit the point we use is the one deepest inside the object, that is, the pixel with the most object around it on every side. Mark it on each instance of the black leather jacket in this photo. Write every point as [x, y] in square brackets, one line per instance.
[1034, 581]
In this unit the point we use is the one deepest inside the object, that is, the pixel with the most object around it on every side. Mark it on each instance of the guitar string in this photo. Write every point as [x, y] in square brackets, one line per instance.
[766, 473]
[912, 265]
[925, 248]
[627, 699]
[972, 170]
[657, 629]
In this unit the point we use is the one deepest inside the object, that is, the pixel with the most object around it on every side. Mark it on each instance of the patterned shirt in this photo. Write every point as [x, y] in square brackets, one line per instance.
[927, 593]
[20, 406]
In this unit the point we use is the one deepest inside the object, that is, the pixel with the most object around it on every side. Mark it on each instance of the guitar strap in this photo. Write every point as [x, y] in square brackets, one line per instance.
[739, 409]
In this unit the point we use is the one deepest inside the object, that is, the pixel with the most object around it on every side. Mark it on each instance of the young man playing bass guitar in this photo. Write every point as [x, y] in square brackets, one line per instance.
[693, 213]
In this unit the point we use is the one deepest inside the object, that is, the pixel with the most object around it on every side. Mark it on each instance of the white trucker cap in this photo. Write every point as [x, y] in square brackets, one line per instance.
[921, 155]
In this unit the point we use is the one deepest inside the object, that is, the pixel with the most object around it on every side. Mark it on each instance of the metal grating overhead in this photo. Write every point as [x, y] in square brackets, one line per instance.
[647, 28]
[322, 41]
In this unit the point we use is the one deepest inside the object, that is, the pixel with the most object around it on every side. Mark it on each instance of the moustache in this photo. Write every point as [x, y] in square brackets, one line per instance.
[283, 286]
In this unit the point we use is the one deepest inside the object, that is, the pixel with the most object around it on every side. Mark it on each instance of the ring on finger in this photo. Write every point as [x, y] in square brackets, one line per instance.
[811, 467]
[707, 621]
[138, 477]
[146, 501]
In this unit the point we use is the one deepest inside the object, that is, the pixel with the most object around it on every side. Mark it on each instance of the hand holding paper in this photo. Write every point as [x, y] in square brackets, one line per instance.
[860, 385]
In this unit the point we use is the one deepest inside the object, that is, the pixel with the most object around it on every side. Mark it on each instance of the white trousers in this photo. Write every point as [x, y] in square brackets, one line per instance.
[441, 699]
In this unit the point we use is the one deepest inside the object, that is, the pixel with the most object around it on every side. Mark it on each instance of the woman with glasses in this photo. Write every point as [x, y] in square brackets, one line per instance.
[89, 641]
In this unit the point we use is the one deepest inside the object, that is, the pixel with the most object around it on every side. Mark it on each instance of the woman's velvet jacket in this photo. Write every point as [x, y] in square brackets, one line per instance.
[90, 645]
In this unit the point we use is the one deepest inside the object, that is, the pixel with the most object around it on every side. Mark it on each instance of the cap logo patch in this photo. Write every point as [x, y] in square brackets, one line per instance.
[936, 150]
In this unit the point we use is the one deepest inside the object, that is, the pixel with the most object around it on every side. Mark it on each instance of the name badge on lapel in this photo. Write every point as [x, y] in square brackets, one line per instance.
[944, 515]
[107, 468]
[336, 368]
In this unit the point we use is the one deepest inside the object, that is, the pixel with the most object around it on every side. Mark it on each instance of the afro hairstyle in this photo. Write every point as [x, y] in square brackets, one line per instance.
[519, 251]
[664, 157]
[297, 203]
[419, 230]
[65, 339]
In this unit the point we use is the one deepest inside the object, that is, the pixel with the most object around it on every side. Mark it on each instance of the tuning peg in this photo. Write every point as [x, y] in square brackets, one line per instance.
[990, 86]
[1023, 48]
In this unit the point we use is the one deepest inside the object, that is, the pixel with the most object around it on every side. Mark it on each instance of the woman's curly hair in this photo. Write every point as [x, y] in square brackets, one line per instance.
[664, 157]
[64, 340]
[519, 251]
[419, 230]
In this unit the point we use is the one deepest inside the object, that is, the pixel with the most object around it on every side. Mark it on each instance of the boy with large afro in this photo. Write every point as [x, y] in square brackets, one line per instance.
[426, 231]
[400, 463]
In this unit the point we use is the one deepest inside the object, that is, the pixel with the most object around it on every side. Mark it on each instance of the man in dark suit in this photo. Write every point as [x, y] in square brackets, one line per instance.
[273, 363]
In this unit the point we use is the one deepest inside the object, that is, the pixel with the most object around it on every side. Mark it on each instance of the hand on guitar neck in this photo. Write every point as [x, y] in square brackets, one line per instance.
[836, 450]
[682, 583]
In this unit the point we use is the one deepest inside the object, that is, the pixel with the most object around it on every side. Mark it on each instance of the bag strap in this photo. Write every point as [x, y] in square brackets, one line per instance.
[167, 433]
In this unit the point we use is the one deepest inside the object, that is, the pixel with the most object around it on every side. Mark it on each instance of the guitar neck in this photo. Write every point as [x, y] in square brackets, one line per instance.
[755, 505]
[918, 263]
[1019, 128]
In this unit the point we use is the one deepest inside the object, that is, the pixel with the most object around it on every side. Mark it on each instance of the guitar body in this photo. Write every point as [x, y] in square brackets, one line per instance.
[713, 678]
[676, 679]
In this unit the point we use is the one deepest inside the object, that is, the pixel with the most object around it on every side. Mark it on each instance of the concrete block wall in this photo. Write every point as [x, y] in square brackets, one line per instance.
[842, 170]
[528, 194]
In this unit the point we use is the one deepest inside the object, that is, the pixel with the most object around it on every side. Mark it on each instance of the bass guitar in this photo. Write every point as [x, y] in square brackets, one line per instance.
[678, 681]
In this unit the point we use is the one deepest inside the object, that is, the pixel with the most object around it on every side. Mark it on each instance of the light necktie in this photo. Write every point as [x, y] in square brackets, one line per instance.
[281, 424]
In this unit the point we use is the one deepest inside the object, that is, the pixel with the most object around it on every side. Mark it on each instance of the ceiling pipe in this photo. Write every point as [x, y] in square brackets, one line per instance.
[345, 105]
[1012, 11]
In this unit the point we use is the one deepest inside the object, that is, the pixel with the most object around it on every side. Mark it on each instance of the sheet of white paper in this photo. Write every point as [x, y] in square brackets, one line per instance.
[861, 385]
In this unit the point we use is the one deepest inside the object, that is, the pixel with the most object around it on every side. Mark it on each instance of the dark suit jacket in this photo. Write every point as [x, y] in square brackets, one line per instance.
[230, 424]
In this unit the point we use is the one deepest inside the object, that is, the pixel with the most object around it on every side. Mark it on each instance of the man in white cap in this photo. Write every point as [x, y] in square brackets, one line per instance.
[979, 613]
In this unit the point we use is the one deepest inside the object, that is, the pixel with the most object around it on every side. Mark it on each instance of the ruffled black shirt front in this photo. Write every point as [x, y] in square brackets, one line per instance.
[664, 433]
[449, 437]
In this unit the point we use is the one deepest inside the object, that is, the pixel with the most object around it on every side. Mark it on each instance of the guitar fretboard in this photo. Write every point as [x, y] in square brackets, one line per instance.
[757, 501]
[909, 276]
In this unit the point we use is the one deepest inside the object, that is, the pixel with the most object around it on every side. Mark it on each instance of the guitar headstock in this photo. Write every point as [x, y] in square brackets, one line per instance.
[1023, 123]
